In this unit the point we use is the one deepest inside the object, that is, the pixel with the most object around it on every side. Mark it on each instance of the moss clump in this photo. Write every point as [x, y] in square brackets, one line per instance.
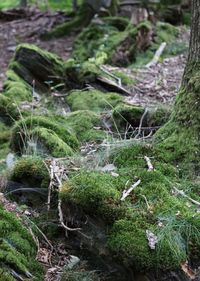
[17, 250]
[8, 110]
[126, 114]
[30, 171]
[84, 123]
[94, 192]
[47, 141]
[121, 23]
[55, 137]
[92, 100]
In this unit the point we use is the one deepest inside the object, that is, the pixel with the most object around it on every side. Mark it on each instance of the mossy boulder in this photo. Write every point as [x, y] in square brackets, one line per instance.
[17, 250]
[30, 171]
[92, 100]
[125, 116]
[151, 207]
[41, 134]
[87, 125]
[33, 64]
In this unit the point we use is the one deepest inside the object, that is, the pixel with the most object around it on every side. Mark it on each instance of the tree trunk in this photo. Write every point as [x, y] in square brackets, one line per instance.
[179, 139]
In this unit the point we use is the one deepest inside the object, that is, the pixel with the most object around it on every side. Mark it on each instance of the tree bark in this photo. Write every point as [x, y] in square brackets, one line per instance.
[179, 139]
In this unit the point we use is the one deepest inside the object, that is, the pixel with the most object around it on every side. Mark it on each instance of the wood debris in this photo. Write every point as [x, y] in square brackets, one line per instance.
[126, 193]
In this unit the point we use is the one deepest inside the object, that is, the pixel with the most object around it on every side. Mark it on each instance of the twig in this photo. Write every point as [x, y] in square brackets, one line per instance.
[141, 122]
[126, 193]
[157, 55]
[111, 75]
[149, 164]
[181, 192]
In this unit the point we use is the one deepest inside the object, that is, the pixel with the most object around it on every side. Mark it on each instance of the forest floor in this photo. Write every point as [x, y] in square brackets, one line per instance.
[160, 83]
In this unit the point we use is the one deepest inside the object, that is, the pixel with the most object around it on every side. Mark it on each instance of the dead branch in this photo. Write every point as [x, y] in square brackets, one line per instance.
[157, 55]
[126, 193]
[149, 164]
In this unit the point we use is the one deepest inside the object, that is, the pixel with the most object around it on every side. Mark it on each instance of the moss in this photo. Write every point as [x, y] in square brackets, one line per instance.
[8, 110]
[31, 63]
[17, 249]
[125, 79]
[121, 23]
[95, 193]
[79, 275]
[92, 100]
[83, 122]
[24, 129]
[4, 134]
[126, 114]
[30, 171]
[48, 142]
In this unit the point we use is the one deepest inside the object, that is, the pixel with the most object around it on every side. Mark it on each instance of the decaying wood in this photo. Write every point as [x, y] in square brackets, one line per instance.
[157, 55]
[126, 193]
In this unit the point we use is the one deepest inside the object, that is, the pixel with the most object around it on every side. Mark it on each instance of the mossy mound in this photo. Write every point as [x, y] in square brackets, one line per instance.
[92, 100]
[9, 112]
[127, 115]
[44, 135]
[87, 125]
[31, 171]
[17, 250]
[153, 206]
[16, 89]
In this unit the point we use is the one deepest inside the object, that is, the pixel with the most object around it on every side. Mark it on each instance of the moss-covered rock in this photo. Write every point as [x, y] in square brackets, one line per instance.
[44, 135]
[86, 125]
[17, 250]
[152, 206]
[127, 115]
[34, 64]
[31, 171]
[92, 100]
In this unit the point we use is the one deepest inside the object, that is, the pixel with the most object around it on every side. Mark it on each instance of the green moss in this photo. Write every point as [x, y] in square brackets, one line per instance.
[48, 142]
[26, 128]
[126, 114]
[92, 100]
[94, 192]
[30, 171]
[17, 249]
[8, 110]
[83, 122]
[121, 23]
[125, 79]
[31, 63]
